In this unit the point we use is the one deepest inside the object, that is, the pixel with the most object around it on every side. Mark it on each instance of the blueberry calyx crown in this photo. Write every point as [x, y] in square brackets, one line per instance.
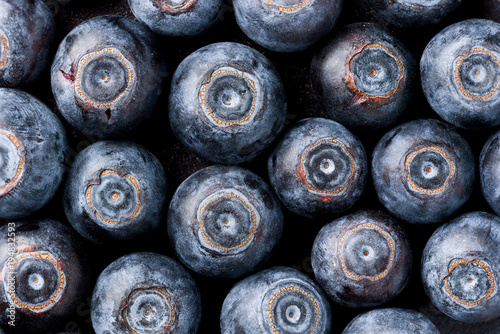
[12, 161]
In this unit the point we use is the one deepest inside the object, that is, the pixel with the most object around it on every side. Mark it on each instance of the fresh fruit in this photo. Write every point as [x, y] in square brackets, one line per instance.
[489, 164]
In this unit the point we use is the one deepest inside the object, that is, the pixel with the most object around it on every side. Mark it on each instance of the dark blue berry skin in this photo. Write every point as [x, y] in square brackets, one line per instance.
[460, 71]
[145, 293]
[461, 267]
[318, 169]
[489, 164]
[491, 9]
[48, 275]
[363, 259]
[224, 221]
[27, 34]
[115, 191]
[364, 76]
[276, 300]
[107, 75]
[184, 18]
[423, 171]
[227, 102]
[286, 25]
[32, 154]
[413, 13]
[391, 321]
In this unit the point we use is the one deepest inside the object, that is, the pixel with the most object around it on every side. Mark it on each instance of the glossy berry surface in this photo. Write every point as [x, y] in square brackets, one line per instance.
[460, 71]
[27, 34]
[227, 102]
[276, 300]
[106, 76]
[413, 13]
[286, 25]
[363, 259]
[489, 165]
[145, 293]
[364, 76]
[224, 221]
[461, 267]
[32, 154]
[175, 18]
[391, 321]
[318, 169]
[423, 171]
[47, 277]
[115, 190]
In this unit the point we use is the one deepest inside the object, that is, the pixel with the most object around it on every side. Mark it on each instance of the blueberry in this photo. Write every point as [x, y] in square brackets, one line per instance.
[27, 34]
[106, 76]
[176, 18]
[491, 9]
[115, 190]
[364, 76]
[224, 221]
[423, 171]
[286, 25]
[489, 164]
[363, 259]
[44, 274]
[413, 13]
[460, 267]
[460, 70]
[227, 102]
[32, 154]
[276, 300]
[145, 293]
[391, 321]
[318, 169]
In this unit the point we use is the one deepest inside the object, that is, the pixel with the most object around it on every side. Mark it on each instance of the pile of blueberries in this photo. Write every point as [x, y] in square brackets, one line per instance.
[255, 166]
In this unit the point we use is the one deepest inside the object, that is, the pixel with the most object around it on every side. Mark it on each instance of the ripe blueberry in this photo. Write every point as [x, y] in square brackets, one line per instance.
[461, 267]
[423, 171]
[115, 191]
[227, 102]
[364, 76]
[32, 154]
[145, 293]
[224, 221]
[460, 71]
[489, 164]
[318, 168]
[276, 300]
[47, 277]
[363, 259]
[106, 76]
[27, 33]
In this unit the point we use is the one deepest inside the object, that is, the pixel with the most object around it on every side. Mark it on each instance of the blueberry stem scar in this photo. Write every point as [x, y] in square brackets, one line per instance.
[288, 8]
[175, 10]
[4, 53]
[12, 183]
[270, 304]
[131, 179]
[210, 112]
[389, 240]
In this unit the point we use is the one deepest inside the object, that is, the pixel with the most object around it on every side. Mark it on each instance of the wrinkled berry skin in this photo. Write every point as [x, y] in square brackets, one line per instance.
[145, 293]
[460, 74]
[27, 34]
[391, 321]
[364, 76]
[461, 267]
[276, 300]
[177, 18]
[413, 13]
[489, 164]
[227, 102]
[224, 221]
[32, 154]
[318, 169]
[286, 25]
[48, 275]
[106, 76]
[363, 259]
[423, 171]
[115, 190]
